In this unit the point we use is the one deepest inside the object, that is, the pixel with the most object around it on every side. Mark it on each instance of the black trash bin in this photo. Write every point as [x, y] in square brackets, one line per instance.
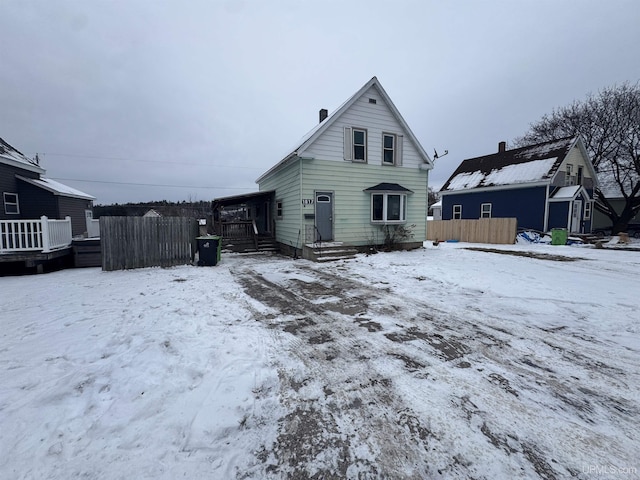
[209, 250]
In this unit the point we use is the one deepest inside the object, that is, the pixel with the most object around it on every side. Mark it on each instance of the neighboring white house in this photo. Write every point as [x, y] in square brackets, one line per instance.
[358, 177]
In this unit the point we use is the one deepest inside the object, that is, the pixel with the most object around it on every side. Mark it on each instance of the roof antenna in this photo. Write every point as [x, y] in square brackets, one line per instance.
[37, 159]
[436, 156]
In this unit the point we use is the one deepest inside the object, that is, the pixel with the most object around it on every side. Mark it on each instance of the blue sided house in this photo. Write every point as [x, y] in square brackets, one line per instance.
[544, 186]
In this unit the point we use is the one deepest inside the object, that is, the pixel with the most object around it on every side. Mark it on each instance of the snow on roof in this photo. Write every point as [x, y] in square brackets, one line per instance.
[510, 174]
[56, 188]
[9, 154]
[529, 164]
[437, 204]
[566, 192]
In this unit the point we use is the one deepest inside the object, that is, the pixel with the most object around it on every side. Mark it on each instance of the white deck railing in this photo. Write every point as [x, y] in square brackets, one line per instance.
[42, 235]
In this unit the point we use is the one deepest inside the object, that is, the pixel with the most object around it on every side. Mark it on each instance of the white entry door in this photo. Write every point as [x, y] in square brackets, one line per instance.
[576, 217]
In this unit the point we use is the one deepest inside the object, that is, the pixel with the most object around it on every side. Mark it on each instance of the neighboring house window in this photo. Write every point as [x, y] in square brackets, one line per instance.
[388, 208]
[580, 174]
[388, 149]
[485, 210]
[587, 211]
[11, 206]
[569, 179]
[279, 209]
[457, 212]
[359, 145]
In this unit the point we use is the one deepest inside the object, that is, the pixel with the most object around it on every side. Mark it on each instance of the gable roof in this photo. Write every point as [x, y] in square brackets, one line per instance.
[56, 188]
[319, 129]
[11, 156]
[530, 164]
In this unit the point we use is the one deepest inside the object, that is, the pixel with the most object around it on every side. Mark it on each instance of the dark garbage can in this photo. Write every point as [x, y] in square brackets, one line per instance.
[209, 248]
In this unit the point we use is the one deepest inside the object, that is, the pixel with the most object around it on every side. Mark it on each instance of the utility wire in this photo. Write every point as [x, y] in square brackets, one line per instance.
[148, 184]
[122, 159]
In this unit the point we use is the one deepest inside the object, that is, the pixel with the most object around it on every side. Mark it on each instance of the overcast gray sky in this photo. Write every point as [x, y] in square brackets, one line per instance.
[141, 100]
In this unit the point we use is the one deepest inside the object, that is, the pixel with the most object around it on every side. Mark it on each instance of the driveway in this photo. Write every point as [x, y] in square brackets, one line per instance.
[380, 383]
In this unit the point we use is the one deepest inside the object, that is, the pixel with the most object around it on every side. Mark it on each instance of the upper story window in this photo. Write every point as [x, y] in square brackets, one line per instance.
[11, 205]
[580, 174]
[457, 212]
[569, 178]
[359, 145]
[485, 210]
[388, 149]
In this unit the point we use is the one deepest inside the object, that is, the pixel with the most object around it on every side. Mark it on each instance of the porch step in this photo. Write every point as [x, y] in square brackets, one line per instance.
[329, 253]
[267, 244]
[247, 245]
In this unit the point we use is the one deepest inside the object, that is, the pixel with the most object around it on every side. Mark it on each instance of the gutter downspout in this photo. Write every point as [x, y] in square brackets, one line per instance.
[546, 210]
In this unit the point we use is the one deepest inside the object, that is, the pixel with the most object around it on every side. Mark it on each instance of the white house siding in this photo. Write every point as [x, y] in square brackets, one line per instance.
[352, 217]
[376, 119]
[286, 183]
[575, 158]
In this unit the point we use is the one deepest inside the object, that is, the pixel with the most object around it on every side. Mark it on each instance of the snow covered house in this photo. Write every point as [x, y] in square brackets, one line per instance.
[360, 176]
[544, 186]
[38, 214]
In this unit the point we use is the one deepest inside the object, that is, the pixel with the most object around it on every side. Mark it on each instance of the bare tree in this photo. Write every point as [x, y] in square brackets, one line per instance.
[609, 123]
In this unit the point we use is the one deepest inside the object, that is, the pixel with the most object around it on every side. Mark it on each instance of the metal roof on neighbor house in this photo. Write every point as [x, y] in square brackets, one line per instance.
[532, 163]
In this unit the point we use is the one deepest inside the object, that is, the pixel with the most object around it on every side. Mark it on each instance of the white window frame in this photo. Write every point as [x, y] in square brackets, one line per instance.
[484, 212]
[15, 202]
[392, 149]
[354, 130]
[569, 179]
[279, 209]
[587, 210]
[457, 215]
[385, 208]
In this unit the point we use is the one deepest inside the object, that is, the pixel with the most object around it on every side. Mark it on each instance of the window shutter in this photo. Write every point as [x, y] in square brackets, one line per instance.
[399, 150]
[347, 144]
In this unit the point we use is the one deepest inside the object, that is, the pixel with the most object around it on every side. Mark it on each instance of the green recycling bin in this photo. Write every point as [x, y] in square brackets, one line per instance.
[558, 236]
[209, 248]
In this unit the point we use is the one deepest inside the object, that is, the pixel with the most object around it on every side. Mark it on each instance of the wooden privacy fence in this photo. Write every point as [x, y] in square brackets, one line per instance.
[483, 230]
[137, 242]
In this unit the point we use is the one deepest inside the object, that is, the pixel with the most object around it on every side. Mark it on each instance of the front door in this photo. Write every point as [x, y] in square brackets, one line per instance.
[576, 217]
[324, 216]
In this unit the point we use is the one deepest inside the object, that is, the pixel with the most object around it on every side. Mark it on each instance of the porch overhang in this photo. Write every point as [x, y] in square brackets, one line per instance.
[388, 188]
[241, 199]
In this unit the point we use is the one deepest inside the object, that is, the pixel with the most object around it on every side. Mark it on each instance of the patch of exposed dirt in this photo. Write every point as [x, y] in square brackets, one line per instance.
[539, 256]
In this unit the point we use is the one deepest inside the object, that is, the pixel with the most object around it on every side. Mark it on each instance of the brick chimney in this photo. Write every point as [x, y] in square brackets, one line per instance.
[324, 113]
[502, 147]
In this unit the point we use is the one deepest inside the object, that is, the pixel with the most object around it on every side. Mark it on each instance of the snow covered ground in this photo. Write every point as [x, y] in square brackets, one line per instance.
[442, 362]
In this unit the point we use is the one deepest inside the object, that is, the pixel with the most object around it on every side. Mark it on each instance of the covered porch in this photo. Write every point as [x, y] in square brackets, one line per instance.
[245, 222]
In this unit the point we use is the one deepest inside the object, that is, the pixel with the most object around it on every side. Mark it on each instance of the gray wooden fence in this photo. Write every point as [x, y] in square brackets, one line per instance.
[137, 242]
[484, 230]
